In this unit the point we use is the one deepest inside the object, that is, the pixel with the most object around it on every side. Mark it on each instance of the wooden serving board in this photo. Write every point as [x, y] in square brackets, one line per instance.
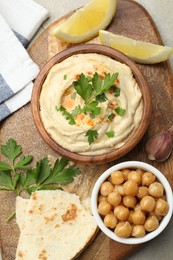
[131, 20]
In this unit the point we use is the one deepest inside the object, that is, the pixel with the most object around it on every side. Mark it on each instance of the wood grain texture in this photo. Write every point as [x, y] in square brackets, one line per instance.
[130, 20]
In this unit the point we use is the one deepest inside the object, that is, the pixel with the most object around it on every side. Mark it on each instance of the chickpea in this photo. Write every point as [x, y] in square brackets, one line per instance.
[116, 177]
[130, 188]
[142, 192]
[138, 231]
[151, 223]
[123, 229]
[119, 189]
[137, 207]
[104, 208]
[101, 198]
[156, 189]
[129, 201]
[140, 171]
[157, 216]
[161, 208]
[134, 175]
[148, 178]
[114, 198]
[121, 212]
[106, 188]
[130, 216]
[138, 217]
[125, 173]
[147, 203]
[110, 221]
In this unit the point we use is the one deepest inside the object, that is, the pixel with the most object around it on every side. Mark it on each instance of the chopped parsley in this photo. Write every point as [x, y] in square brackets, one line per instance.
[117, 91]
[65, 77]
[111, 116]
[120, 111]
[110, 134]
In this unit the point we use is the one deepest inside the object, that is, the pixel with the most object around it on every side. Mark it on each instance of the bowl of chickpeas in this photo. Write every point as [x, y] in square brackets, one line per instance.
[132, 202]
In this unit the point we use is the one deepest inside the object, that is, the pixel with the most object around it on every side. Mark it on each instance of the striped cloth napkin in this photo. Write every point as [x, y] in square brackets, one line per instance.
[19, 20]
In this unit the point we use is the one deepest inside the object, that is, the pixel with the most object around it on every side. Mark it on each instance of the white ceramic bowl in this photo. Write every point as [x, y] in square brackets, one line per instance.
[169, 196]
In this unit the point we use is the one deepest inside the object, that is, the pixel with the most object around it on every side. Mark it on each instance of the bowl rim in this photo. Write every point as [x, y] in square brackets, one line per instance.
[116, 55]
[143, 166]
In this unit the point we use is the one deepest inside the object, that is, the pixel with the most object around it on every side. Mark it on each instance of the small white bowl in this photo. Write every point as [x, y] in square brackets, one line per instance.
[146, 167]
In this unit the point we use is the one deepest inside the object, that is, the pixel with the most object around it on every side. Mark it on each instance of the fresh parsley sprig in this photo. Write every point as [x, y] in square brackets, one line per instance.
[91, 107]
[92, 91]
[66, 114]
[92, 87]
[92, 135]
[87, 90]
[83, 87]
[108, 82]
[19, 175]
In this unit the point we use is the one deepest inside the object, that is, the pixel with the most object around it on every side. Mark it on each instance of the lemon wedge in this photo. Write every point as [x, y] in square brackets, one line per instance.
[86, 22]
[139, 51]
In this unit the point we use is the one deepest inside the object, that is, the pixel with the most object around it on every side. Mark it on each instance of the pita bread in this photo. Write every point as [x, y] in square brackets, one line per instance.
[53, 225]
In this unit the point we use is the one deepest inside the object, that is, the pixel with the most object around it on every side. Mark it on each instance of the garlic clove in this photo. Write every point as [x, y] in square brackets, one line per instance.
[159, 147]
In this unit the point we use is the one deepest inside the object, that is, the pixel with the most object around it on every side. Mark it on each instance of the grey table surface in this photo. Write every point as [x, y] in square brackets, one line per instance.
[160, 248]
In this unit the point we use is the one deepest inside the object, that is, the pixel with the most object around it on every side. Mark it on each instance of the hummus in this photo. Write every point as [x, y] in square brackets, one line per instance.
[120, 111]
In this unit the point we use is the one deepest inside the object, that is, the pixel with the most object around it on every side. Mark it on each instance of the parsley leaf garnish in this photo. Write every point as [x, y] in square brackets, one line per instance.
[98, 87]
[19, 175]
[120, 111]
[111, 116]
[117, 91]
[83, 87]
[108, 82]
[101, 98]
[66, 114]
[97, 83]
[65, 77]
[110, 134]
[77, 110]
[91, 107]
[92, 135]
[89, 78]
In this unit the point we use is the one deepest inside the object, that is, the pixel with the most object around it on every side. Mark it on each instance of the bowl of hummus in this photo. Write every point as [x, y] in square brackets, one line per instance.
[91, 103]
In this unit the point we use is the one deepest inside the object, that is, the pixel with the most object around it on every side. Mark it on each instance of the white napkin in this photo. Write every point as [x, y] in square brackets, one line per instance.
[17, 70]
